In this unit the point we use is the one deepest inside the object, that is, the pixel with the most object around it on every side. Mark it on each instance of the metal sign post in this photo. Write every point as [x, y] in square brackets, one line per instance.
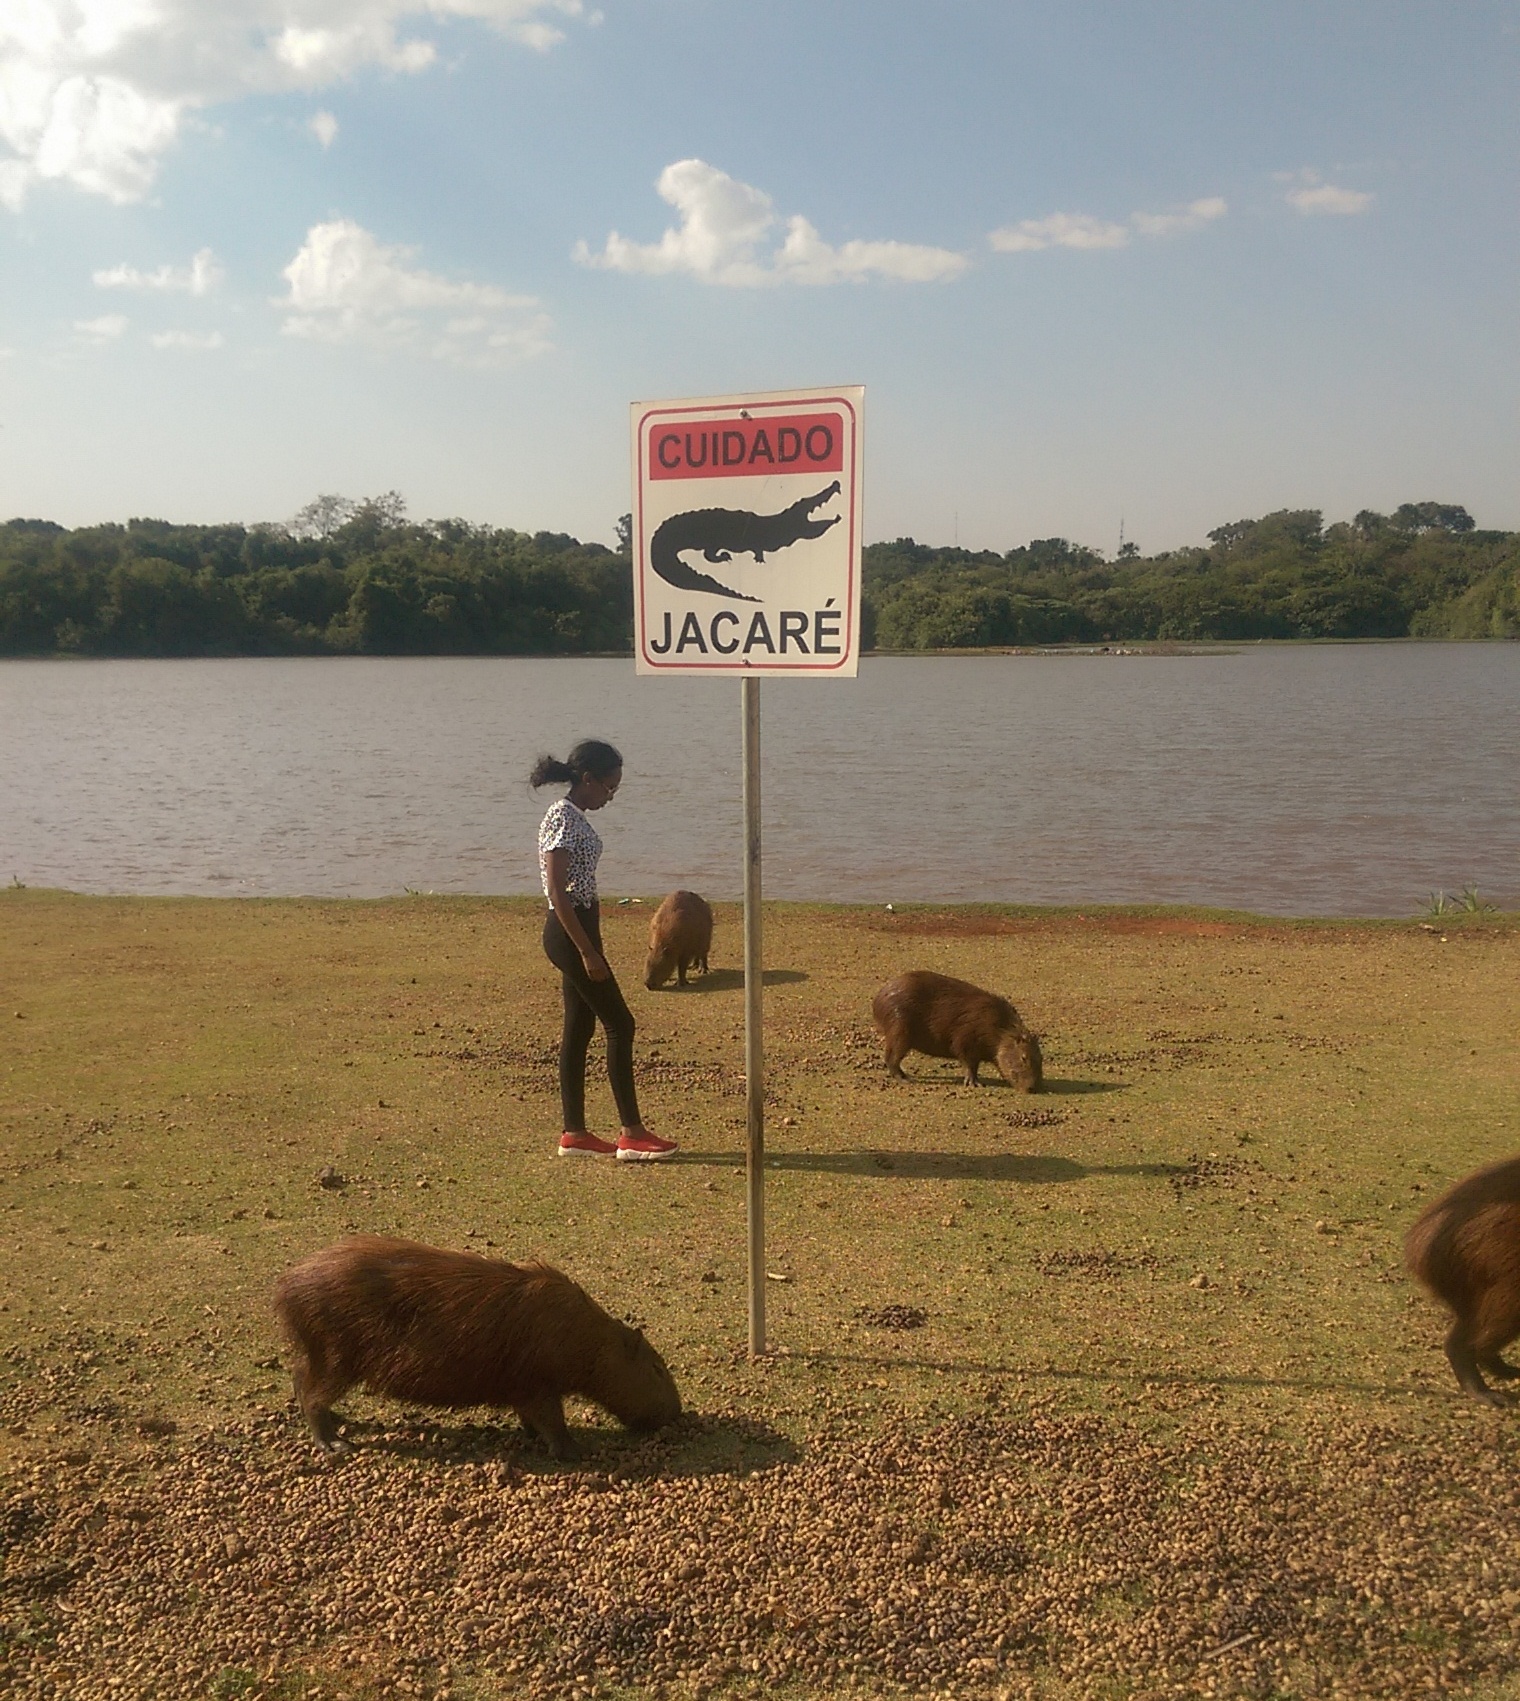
[754, 1032]
[746, 560]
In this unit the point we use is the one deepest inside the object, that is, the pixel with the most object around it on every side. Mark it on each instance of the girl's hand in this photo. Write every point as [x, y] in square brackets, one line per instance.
[596, 965]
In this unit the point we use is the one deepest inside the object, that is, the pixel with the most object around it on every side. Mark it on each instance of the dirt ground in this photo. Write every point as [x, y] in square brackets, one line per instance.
[1115, 1390]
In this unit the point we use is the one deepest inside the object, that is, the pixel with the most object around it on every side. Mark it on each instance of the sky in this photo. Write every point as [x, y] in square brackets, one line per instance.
[1158, 264]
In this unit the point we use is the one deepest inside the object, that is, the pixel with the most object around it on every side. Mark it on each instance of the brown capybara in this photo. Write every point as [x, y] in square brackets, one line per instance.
[455, 1329]
[680, 936]
[1466, 1249]
[944, 1017]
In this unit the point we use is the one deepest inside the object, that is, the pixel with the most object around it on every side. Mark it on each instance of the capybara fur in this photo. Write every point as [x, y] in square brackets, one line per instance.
[454, 1329]
[1466, 1249]
[680, 936]
[944, 1017]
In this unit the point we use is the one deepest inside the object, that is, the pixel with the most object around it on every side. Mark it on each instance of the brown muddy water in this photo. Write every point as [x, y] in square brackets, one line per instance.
[1287, 779]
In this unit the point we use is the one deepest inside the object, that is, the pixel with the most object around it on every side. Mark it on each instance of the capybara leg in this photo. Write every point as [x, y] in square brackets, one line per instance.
[1500, 1369]
[315, 1401]
[1464, 1363]
[897, 1050]
[1495, 1324]
[704, 963]
[545, 1418]
[324, 1429]
[971, 1073]
[681, 972]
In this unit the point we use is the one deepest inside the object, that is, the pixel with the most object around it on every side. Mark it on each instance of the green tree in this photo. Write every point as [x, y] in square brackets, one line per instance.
[1431, 516]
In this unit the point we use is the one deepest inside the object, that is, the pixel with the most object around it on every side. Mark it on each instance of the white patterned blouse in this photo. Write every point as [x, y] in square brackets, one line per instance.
[566, 828]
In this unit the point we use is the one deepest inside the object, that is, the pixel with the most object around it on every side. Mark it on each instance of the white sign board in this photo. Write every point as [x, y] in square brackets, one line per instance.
[746, 534]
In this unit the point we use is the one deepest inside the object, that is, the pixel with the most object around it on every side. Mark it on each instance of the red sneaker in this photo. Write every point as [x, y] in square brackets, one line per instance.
[584, 1146]
[644, 1148]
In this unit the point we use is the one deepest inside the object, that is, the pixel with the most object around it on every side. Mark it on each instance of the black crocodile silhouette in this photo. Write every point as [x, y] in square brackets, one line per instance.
[722, 533]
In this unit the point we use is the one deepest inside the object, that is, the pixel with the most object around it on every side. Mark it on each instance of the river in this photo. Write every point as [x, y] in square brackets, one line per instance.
[1347, 779]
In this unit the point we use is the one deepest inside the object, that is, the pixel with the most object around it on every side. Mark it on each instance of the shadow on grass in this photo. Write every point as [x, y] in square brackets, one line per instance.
[996, 1082]
[693, 1446]
[933, 1166]
[1133, 1378]
[732, 980]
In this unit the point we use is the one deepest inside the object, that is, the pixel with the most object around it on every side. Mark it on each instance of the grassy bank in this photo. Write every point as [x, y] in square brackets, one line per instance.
[1179, 1268]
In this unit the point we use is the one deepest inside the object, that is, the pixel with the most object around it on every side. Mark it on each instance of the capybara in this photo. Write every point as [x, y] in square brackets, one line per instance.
[680, 936]
[455, 1329]
[1466, 1249]
[944, 1017]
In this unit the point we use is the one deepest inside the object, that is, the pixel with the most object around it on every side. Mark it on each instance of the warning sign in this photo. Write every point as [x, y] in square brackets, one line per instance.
[746, 533]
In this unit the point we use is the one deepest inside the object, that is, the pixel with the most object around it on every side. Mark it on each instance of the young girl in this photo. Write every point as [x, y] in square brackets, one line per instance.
[568, 849]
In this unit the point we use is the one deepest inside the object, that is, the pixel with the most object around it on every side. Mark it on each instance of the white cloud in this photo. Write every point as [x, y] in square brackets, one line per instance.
[200, 277]
[101, 133]
[190, 340]
[106, 329]
[1327, 198]
[1060, 230]
[324, 127]
[1081, 230]
[94, 92]
[314, 57]
[806, 258]
[726, 236]
[345, 286]
[1191, 217]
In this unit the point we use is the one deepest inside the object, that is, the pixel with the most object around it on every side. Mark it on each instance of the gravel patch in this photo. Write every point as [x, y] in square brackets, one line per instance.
[893, 1317]
[1007, 1554]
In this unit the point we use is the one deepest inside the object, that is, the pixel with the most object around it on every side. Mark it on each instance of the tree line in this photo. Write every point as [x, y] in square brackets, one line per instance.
[1424, 571]
[343, 578]
[359, 578]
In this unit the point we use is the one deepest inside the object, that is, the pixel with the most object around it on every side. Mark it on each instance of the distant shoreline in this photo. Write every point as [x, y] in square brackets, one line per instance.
[1138, 647]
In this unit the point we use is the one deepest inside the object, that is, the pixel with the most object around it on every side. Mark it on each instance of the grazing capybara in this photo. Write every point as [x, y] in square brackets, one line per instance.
[1466, 1249]
[680, 936]
[455, 1329]
[944, 1017]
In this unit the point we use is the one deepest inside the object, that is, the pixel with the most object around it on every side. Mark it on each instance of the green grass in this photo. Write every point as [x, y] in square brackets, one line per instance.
[1255, 1104]
[1469, 901]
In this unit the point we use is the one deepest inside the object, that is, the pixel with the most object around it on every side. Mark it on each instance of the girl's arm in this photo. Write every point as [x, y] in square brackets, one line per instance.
[557, 866]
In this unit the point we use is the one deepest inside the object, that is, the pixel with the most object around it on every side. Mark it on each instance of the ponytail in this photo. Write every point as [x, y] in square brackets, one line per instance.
[548, 768]
[591, 756]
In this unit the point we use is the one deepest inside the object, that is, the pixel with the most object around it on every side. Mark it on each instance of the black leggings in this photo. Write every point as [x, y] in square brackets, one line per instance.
[588, 1001]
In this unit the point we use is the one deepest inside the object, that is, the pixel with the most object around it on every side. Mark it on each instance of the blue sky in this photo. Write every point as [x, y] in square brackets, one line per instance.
[1171, 264]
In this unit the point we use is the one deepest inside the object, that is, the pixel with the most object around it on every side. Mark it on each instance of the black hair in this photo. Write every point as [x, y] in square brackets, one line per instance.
[591, 756]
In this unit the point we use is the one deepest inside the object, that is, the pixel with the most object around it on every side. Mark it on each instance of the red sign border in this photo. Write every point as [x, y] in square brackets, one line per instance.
[776, 404]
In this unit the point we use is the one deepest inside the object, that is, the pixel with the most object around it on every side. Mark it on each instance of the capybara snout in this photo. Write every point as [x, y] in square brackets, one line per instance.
[680, 937]
[445, 1328]
[944, 1017]
[1465, 1247]
[1020, 1064]
[649, 1398]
